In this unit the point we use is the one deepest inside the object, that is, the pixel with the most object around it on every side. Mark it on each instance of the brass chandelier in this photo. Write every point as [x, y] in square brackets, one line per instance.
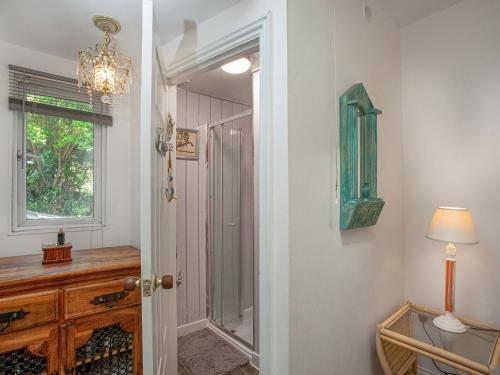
[103, 69]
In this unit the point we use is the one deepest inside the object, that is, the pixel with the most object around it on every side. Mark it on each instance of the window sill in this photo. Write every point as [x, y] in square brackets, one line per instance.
[54, 228]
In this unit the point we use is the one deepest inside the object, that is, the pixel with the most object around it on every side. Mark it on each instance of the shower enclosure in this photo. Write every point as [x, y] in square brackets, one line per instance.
[230, 266]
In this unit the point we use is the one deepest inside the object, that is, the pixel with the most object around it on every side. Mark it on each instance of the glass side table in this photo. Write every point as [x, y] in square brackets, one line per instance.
[410, 331]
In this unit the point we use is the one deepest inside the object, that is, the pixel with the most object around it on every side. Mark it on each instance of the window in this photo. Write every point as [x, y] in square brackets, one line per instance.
[58, 154]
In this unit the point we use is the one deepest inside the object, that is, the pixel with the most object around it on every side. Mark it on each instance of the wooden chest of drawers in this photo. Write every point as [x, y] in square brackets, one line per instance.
[73, 318]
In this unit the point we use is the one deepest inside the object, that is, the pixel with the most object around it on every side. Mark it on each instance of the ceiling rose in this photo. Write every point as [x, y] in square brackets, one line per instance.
[103, 69]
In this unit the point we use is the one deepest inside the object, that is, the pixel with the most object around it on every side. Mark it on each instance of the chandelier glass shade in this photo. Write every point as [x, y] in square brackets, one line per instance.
[103, 69]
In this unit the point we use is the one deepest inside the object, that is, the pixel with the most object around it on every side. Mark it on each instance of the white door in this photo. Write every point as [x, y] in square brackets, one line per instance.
[157, 215]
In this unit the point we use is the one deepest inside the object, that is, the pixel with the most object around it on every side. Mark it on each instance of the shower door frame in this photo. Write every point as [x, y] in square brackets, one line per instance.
[211, 210]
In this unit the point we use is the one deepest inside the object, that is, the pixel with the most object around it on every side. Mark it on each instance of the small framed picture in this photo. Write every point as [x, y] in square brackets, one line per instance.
[187, 144]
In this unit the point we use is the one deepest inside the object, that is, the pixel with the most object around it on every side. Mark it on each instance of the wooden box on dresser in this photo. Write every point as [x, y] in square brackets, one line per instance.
[71, 318]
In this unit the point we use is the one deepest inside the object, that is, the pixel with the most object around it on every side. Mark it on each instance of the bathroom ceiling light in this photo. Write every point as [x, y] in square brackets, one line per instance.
[237, 66]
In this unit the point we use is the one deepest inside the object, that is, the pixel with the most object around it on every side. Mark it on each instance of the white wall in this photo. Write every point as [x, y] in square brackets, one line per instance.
[119, 160]
[341, 283]
[193, 110]
[451, 90]
[276, 177]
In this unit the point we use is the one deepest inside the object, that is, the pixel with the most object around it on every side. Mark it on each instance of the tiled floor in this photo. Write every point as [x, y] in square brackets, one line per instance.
[245, 370]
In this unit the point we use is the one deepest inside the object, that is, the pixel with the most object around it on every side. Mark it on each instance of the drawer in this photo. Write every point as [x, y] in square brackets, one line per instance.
[98, 297]
[28, 310]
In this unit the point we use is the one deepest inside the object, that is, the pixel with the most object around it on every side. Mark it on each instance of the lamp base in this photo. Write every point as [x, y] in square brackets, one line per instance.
[449, 323]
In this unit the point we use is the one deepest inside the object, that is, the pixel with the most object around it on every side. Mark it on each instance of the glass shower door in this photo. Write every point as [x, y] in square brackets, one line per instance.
[225, 224]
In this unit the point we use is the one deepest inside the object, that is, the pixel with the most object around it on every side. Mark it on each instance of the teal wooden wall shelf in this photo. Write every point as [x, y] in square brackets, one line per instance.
[359, 204]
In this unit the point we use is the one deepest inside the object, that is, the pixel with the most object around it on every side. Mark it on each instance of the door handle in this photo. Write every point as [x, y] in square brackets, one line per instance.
[131, 283]
[166, 282]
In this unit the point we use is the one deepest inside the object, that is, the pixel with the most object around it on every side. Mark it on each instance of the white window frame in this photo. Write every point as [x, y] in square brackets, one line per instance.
[20, 224]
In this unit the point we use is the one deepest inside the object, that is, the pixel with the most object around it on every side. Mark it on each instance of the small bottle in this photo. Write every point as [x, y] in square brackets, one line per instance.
[60, 237]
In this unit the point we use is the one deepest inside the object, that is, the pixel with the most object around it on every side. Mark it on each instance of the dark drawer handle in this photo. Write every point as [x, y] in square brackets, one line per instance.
[109, 299]
[8, 317]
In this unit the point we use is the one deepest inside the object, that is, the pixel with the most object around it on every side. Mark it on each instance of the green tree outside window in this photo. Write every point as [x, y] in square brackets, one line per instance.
[60, 163]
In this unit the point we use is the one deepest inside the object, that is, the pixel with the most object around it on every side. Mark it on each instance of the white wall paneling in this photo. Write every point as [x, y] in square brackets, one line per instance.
[193, 246]
[181, 232]
[203, 118]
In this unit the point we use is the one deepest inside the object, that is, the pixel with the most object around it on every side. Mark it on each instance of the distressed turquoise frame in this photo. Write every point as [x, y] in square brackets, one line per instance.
[359, 205]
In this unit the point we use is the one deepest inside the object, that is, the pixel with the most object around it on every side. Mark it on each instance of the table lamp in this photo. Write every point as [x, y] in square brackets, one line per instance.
[452, 225]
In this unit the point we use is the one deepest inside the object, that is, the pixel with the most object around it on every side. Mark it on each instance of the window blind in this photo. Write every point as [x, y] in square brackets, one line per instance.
[53, 95]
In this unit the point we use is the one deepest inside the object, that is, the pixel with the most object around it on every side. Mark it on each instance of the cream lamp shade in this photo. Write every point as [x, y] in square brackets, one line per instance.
[452, 224]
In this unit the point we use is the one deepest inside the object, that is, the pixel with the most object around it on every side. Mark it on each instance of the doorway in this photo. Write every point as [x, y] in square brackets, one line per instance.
[217, 266]
[158, 233]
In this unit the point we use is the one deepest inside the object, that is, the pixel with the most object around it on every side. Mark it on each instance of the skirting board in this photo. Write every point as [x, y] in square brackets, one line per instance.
[255, 361]
[186, 329]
